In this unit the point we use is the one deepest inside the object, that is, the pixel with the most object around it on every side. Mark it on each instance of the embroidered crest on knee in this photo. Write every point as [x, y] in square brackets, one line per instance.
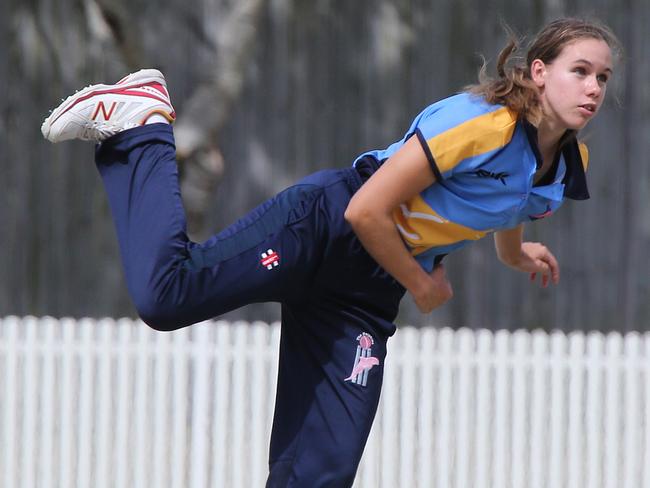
[363, 361]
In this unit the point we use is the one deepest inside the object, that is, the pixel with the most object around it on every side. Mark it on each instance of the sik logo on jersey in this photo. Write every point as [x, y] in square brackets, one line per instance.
[488, 174]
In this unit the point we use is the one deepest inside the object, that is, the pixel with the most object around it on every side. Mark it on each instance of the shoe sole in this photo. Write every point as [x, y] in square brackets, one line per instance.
[133, 80]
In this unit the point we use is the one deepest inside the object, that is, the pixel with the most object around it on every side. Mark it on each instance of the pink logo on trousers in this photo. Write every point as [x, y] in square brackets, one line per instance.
[363, 360]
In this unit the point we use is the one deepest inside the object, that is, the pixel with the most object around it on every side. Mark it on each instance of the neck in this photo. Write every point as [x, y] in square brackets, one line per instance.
[549, 136]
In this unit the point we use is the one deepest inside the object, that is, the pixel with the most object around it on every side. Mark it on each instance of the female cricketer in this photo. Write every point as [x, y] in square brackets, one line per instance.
[340, 248]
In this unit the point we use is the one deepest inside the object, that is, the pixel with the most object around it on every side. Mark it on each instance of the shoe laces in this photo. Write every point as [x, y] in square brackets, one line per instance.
[98, 131]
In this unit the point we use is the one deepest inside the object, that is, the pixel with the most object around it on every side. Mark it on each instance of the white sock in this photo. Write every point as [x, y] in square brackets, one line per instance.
[156, 119]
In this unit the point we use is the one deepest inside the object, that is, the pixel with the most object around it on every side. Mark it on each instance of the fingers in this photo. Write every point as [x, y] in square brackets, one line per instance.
[549, 268]
[554, 267]
[550, 273]
[437, 293]
[542, 262]
[545, 279]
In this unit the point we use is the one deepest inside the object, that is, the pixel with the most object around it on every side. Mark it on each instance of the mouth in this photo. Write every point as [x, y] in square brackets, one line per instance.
[588, 108]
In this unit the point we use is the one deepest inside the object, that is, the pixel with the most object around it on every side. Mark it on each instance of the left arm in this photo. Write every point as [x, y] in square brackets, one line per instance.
[529, 257]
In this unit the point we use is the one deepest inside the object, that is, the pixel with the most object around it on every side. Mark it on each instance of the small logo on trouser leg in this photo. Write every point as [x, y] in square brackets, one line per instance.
[270, 259]
[363, 360]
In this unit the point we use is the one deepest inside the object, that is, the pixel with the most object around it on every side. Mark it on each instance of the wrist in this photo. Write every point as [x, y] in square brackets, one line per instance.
[513, 260]
[419, 282]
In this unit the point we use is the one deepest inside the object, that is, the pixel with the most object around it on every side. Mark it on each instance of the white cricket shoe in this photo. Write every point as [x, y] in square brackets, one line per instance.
[100, 111]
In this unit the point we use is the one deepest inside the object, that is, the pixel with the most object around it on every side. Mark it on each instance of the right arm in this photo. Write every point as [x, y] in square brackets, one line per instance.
[402, 176]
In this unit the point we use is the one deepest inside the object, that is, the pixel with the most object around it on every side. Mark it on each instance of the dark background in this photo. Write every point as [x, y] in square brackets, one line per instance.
[268, 91]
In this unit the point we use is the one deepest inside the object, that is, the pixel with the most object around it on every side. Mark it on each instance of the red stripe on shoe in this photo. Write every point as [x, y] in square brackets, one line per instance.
[122, 91]
[160, 88]
[140, 94]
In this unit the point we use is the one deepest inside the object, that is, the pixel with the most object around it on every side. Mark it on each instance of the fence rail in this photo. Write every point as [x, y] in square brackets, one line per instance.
[111, 403]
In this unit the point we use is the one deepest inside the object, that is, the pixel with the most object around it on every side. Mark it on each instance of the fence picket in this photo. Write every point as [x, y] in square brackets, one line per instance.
[104, 403]
[444, 441]
[575, 452]
[537, 462]
[520, 367]
[180, 448]
[199, 408]
[558, 454]
[161, 401]
[612, 410]
[45, 478]
[483, 411]
[424, 452]
[28, 442]
[501, 412]
[632, 434]
[409, 369]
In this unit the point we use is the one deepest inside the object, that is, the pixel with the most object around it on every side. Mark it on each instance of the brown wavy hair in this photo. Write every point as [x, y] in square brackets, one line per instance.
[513, 86]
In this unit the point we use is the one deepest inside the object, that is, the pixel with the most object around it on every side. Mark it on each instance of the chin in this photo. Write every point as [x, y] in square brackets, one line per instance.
[577, 124]
[578, 127]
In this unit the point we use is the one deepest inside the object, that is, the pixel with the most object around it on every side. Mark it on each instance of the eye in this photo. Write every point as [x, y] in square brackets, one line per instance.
[580, 71]
[603, 78]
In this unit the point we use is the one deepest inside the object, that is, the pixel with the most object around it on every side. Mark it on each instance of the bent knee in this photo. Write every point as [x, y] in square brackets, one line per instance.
[159, 315]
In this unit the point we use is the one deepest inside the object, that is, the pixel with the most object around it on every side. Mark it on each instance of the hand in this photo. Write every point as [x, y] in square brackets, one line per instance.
[537, 259]
[435, 292]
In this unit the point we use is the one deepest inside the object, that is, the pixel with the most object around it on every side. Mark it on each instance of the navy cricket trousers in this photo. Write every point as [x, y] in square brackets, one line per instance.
[338, 305]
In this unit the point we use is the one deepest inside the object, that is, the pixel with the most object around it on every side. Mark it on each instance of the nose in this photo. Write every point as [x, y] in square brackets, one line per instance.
[593, 88]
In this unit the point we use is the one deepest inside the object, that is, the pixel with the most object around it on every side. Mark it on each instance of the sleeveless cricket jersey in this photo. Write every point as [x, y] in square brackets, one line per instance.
[484, 158]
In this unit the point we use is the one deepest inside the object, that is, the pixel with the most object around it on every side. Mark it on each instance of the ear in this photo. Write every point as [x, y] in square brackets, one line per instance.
[538, 72]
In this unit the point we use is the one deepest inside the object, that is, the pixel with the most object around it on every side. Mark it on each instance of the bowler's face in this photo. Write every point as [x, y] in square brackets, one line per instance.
[573, 86]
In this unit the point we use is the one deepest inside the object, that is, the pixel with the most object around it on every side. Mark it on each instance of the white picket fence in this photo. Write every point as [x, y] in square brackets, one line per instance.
[114, 404]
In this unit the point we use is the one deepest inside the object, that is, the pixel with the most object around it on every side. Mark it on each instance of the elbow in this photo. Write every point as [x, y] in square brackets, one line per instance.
[355, 217]
[361, 217]
[351, 214]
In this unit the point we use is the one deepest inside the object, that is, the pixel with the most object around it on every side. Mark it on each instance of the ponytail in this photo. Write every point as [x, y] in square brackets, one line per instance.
[513, 86]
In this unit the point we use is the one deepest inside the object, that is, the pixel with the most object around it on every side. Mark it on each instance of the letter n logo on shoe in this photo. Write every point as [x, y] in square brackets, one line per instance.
[101, 107]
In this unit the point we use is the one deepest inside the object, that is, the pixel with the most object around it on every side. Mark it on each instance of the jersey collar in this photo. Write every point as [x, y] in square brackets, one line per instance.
[575, 181]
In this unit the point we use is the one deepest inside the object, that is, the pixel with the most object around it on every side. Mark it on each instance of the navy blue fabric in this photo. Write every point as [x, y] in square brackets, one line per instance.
[330, 289]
